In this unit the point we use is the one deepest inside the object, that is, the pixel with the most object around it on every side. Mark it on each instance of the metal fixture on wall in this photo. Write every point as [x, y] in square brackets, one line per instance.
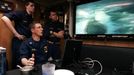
[6, 6]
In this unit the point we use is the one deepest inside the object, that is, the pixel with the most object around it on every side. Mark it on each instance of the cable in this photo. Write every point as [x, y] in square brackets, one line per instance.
[100, 66]
[89, 62]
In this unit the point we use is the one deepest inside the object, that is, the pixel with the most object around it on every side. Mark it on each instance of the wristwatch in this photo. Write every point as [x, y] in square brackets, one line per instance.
[51, 32]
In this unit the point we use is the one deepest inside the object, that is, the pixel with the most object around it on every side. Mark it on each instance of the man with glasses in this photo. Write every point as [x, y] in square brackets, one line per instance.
[21, 31]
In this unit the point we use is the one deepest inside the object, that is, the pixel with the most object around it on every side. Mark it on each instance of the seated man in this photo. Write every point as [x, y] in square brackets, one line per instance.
[34, 50]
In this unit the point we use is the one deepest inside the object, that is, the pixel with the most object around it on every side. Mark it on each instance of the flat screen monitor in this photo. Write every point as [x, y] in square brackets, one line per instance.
[72, 52]
[105, 17]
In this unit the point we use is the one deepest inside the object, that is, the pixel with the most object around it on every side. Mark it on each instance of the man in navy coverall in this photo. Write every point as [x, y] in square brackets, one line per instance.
[21, 31]
[53, 32]
[34, 50]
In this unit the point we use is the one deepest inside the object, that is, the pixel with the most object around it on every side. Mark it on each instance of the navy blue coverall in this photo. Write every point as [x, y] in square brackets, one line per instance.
[39, 48]
[54, 42]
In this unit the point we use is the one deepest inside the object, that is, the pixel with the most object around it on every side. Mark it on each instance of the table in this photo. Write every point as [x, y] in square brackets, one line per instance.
[36, 71]
[18, 72]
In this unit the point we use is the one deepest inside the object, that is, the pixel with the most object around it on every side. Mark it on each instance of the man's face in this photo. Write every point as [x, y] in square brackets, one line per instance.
[37, 30]
[53, 16]
[30, 7]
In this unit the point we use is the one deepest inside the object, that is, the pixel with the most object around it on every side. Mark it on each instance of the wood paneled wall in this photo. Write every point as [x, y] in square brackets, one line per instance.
[117, 43]
[5, 40]
[6, 35]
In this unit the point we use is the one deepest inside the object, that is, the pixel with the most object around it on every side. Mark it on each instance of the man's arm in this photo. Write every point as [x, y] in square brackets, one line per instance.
[59, 34]
[24, 54]
[9, 24]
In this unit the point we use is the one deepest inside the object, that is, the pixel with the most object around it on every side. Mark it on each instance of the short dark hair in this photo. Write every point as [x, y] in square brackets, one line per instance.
[28, 1]
[52, 10]
[32, 25]
[48, 12]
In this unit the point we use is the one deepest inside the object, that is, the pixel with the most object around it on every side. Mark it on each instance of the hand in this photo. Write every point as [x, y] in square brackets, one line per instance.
[20, 37]
[30, 62]
[27, 62]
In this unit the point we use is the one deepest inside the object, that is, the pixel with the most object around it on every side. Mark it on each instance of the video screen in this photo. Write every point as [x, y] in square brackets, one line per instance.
[105, 17]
